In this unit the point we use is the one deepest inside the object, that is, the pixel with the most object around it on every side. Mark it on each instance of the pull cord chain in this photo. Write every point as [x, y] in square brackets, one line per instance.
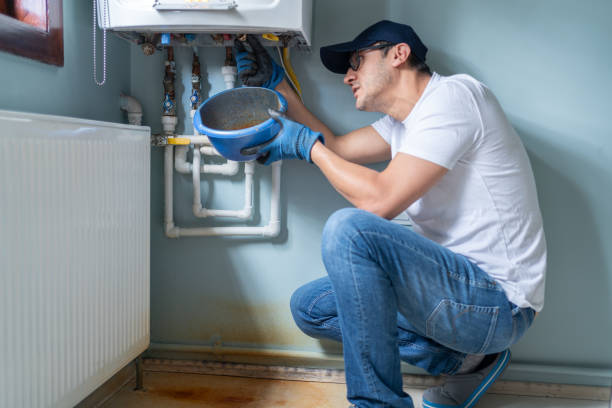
[104, 19]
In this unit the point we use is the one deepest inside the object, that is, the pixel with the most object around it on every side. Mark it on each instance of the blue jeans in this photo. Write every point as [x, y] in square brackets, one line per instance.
[394, 295]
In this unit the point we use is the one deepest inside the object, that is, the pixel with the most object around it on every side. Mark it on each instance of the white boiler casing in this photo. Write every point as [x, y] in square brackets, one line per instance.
[292, 18]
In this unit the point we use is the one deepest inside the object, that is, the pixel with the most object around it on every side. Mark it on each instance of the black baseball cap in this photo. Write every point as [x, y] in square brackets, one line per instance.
[336, 57]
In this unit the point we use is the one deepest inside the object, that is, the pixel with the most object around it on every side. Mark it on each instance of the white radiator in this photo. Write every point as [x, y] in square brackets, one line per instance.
[74, 255]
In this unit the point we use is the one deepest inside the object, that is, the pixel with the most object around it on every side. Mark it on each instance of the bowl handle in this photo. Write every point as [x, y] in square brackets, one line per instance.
[251, 150]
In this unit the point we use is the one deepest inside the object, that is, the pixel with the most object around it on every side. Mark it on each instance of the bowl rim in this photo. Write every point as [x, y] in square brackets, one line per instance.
[231, 134]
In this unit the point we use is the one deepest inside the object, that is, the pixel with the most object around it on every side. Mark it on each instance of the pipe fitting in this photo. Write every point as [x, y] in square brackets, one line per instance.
[169, 124]
[245, 213]
[229, 75]
[172, 231]
[180, 160]
[272, 230]
[132, 107]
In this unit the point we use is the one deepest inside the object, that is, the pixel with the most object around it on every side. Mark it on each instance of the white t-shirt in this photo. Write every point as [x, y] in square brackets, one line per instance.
[486, 206]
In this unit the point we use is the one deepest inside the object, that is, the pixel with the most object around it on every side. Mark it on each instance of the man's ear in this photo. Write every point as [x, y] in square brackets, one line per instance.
[399, 54]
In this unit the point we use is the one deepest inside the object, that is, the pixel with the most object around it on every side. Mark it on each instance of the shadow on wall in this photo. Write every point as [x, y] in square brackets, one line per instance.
[576, 258]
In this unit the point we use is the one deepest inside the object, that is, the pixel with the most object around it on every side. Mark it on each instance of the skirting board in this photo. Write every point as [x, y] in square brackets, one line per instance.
[109, 388]
[582, 392]
[519, 379]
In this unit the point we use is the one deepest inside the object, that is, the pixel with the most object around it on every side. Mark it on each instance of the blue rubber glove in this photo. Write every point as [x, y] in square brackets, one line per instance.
[256, 67]
[294, 141]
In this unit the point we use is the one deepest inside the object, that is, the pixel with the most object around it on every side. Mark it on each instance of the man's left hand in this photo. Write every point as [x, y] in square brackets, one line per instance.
[256, 67]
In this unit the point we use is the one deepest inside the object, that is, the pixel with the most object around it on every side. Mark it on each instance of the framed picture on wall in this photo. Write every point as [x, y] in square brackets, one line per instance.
[33, 29]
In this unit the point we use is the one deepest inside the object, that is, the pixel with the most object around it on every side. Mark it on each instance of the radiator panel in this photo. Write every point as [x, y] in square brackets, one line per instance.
[74, 255]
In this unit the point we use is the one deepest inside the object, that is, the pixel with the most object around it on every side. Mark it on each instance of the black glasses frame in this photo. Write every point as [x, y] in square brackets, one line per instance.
[355, 58]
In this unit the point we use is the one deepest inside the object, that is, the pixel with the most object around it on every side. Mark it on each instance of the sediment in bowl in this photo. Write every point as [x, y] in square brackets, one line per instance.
[239, 109]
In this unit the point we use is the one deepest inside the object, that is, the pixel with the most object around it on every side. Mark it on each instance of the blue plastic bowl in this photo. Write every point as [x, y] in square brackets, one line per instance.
[238, 118]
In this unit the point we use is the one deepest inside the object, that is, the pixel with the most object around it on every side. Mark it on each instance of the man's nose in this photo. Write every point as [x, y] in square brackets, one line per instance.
[350, 76]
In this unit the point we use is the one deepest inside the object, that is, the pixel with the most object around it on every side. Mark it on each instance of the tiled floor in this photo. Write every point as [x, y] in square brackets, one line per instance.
[174, 390]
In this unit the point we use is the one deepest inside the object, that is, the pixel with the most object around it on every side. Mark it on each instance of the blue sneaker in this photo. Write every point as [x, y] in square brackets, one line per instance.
[464, 390]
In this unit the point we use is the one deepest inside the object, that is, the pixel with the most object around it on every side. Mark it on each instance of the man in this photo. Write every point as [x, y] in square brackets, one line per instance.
[455, 292]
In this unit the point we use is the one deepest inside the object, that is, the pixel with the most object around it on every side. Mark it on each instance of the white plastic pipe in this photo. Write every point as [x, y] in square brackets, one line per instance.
[173, 231]
[245, 213]
[209, 151]
[230, 168]
[268, 231]
[133, 109]
[180, 160]
[205, 141]
[273, 227]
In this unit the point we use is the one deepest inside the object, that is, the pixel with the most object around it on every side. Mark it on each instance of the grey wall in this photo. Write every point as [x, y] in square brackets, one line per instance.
[30, 86]
[548, 63]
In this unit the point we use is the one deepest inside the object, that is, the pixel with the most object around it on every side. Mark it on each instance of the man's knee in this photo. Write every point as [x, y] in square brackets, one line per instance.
[311, 303]
[341, 227]
[299, 306]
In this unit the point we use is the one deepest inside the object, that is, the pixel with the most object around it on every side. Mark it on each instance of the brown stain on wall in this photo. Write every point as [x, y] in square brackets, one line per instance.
[251, 323]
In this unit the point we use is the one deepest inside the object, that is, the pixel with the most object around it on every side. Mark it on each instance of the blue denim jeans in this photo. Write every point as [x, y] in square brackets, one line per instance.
[393, 295]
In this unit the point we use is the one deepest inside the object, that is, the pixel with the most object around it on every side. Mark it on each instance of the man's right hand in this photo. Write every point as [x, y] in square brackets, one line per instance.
[256, 67]
[294, 141]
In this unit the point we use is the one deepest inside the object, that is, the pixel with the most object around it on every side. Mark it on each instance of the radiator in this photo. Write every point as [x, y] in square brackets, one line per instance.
[74, 255]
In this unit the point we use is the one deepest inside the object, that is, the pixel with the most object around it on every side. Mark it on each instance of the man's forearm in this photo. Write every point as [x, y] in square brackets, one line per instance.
[358, 184]
[386, 193]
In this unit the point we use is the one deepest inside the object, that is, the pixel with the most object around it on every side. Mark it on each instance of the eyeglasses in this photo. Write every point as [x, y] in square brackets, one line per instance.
[355, 58]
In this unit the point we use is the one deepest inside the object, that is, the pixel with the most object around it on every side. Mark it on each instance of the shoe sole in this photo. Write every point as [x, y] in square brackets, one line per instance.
[481, 389]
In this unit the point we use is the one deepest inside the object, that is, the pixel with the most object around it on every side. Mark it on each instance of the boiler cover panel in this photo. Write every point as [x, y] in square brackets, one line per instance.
[249, 16]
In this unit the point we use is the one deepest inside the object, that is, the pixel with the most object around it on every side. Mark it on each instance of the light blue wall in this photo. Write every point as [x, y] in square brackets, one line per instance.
[30, 86]
[228, 291]
[548, 63]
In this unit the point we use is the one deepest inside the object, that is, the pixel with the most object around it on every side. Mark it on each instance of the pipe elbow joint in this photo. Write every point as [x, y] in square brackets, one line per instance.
[245, 213]
[132, 107]
[232, 168]
[200, 212]
[272, 230]
[172, 231]
[183, 167]
[180, 160]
